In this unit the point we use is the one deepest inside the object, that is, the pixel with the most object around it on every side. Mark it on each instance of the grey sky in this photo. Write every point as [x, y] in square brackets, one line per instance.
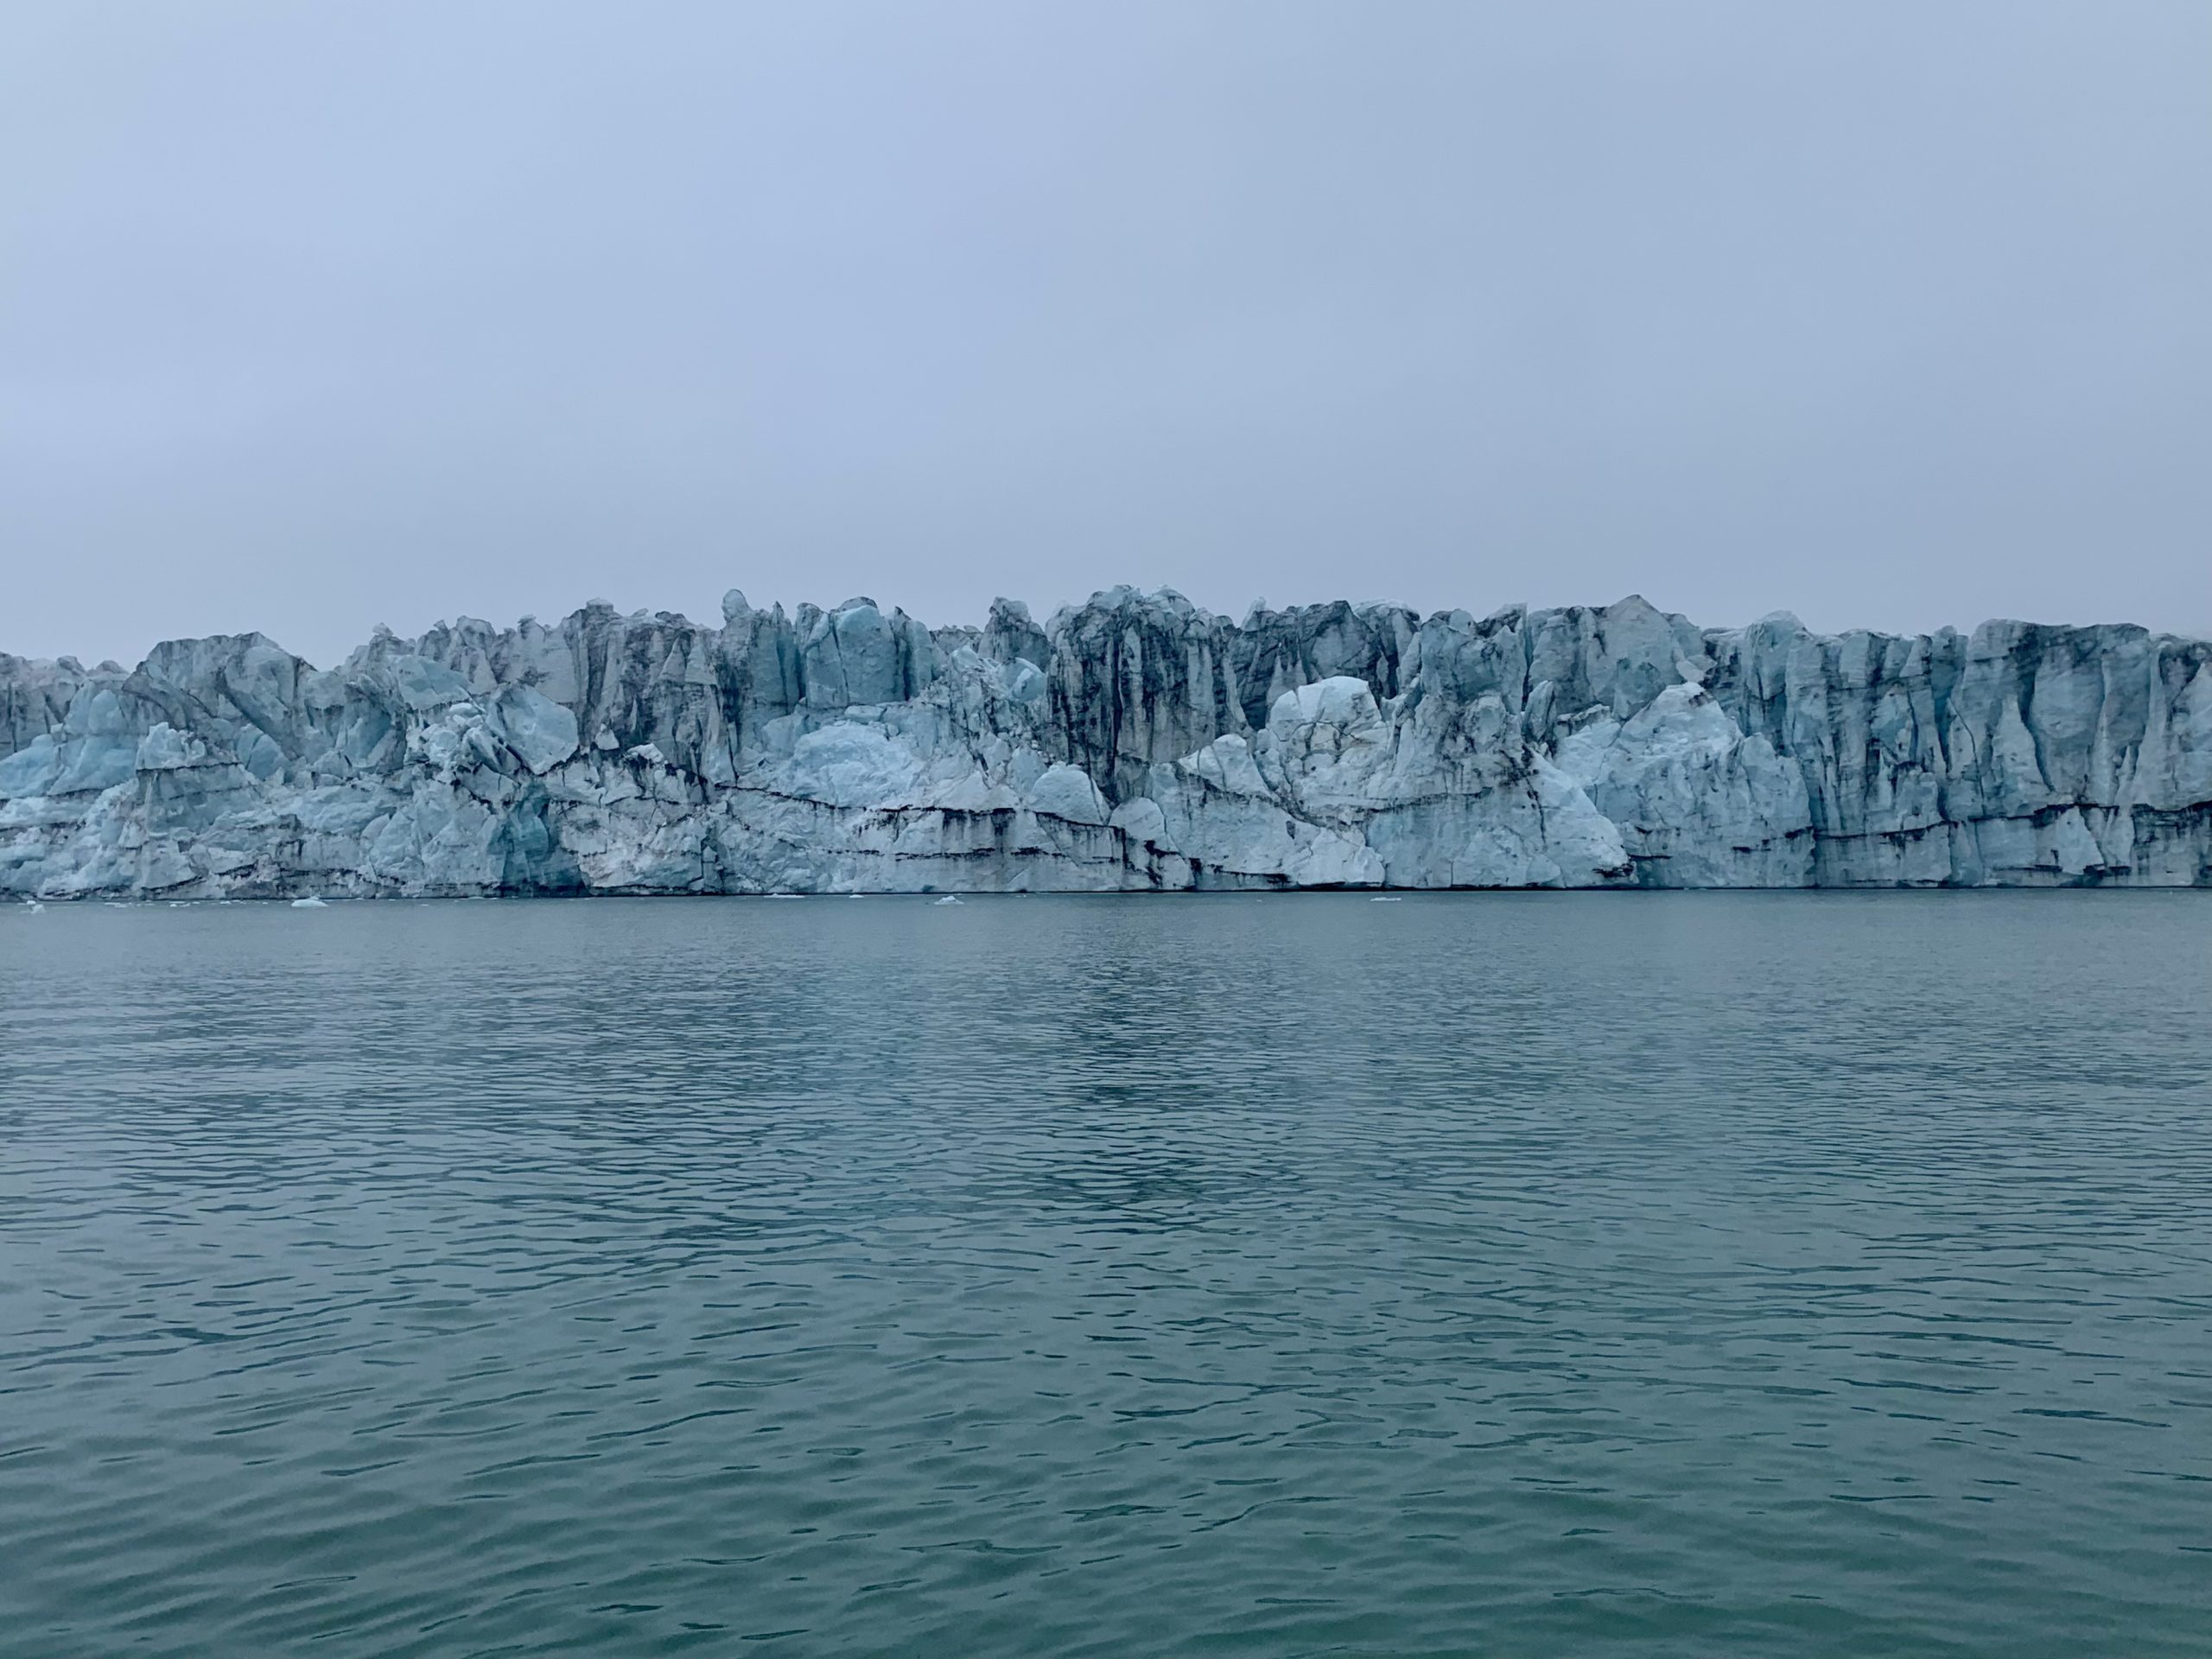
[313, 316]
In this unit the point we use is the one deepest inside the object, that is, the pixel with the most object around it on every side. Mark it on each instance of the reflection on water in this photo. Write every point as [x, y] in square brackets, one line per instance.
[1657, 1274]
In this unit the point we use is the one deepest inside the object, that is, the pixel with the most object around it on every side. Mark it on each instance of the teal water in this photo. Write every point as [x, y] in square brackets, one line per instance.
[1666, 1273]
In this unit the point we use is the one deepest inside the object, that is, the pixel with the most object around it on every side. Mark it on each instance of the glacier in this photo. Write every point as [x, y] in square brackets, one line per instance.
[1134, 742]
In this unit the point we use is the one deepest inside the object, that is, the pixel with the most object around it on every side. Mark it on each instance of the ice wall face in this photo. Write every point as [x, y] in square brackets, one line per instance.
[1134, 742]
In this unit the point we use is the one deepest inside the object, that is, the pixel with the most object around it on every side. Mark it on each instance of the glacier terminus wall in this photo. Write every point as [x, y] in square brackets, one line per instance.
[1135, 741]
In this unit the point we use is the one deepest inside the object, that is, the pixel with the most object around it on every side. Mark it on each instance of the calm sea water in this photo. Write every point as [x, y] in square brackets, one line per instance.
[1470, 1274]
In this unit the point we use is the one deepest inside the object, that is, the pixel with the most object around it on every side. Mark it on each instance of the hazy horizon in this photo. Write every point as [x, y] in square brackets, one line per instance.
[314, 318]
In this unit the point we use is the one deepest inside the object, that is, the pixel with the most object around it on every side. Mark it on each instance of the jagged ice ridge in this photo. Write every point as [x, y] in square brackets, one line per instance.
[1133, 742]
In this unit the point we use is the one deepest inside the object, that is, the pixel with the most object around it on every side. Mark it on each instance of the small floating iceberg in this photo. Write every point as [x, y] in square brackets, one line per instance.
[1386, 901]
[950, 899]
[32, 905]
[309, 902]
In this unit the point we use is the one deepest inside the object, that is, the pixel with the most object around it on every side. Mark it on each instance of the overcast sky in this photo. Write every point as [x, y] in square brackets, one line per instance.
[314, 315]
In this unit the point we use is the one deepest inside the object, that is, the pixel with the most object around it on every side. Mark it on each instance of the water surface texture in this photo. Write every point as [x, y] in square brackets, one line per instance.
[1652, 1274]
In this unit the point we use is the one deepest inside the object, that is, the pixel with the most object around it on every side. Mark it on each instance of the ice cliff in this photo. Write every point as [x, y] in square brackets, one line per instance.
[1133, 742]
